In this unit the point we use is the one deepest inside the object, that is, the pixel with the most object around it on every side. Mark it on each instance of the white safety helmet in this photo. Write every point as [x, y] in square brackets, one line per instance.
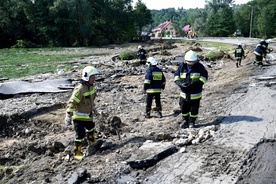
[268, 41]
[191, 57]
[140, 46]
[152, 61]
[87, 72]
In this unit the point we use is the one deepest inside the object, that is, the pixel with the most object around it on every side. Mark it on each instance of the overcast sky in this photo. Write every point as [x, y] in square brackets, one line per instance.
[186, 4]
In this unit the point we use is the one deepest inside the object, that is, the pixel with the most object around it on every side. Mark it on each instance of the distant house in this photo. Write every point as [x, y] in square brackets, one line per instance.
[165, 29]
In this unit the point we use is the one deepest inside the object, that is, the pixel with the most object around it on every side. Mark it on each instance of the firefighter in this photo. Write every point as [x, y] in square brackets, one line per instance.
[190, 76]
[142, 55]
[154, 83]
[79, 109]
[239, 53]
[260, 51]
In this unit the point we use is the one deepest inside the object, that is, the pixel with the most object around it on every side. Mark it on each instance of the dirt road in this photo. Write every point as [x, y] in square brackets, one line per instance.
[233, 142]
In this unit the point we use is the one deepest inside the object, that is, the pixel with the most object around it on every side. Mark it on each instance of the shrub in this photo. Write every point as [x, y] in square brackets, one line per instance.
[24, 44]
[128, 55]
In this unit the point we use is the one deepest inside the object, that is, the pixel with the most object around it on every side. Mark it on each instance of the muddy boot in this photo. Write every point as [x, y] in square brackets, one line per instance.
[260, 64]
[185, 122]
[147, 114]
[159, 112]
[192, 123]
[77, 150]
[91, 137]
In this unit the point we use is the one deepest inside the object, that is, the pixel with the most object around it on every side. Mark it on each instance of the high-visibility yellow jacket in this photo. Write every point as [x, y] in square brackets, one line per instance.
[81, 102]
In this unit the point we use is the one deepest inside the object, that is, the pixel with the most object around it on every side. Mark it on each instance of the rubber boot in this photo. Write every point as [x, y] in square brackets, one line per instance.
[185, 122]
[192, 123]
[91, 138]
[77, 150]
[147, 115]
[159, 112]
[237, 64]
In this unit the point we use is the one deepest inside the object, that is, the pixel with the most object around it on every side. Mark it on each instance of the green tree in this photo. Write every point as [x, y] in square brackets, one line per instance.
[142, 16]
[220, 21]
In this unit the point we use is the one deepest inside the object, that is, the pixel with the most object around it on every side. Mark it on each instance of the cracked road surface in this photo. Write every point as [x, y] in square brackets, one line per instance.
[249, 119]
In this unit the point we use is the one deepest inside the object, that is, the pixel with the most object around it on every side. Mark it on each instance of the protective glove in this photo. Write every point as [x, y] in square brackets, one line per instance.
[185, 85]
[68, 119]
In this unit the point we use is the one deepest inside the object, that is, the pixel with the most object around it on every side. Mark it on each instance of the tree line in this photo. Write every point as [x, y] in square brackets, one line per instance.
[221, 18]
[51, 23]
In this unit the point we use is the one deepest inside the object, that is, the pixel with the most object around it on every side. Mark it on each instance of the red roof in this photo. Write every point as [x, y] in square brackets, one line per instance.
[162, 25]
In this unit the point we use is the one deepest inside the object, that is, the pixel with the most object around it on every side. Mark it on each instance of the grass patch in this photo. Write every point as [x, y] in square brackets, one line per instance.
[17, 62]
[221, 46]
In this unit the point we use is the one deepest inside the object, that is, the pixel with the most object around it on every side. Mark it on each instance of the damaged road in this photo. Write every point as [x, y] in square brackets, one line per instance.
[233, 142]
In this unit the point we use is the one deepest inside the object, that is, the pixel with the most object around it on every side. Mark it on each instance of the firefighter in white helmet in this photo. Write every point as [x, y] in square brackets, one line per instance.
[190, 76]
[142, 54]
[239, 54]
[80, 107]
[261, 51]
[154, 84]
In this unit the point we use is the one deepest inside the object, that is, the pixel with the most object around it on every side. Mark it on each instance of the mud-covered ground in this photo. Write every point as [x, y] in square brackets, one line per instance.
[36, 144]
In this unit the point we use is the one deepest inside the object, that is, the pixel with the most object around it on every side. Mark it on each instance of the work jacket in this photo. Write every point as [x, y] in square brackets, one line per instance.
[261, 49]
[239, 52]
[141, 54]
[195, 77]
[81, 103]
[155, 80]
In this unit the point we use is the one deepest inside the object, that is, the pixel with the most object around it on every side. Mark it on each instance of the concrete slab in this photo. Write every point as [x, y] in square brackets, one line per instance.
[47, 86]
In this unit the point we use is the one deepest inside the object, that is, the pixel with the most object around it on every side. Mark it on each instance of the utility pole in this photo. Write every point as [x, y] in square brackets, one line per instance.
[251, 21]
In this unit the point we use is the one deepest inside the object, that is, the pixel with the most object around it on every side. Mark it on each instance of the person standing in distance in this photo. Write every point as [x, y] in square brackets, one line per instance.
[154, 83]
[80, 107]
[142, 55]
[239, 53]
[190, 76]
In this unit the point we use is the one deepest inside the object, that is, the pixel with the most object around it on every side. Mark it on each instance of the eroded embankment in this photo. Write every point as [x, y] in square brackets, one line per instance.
[260, 166]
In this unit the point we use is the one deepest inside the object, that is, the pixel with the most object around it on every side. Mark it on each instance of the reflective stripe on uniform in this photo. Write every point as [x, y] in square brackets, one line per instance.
[193, 116]
[257, 53]
[93, 91]
[154, 90]
[176, 78]
[193, 96]
[203, 79]
[147, 81]
[78, 140]
[187, 114]
[80, 115]
[76, 99]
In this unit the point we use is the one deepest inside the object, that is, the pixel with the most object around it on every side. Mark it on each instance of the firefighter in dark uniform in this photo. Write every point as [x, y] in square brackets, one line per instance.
[154, 83]
[260, 52]
[190, 76]
[142, 55]
[239, 53]
[79, 109]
